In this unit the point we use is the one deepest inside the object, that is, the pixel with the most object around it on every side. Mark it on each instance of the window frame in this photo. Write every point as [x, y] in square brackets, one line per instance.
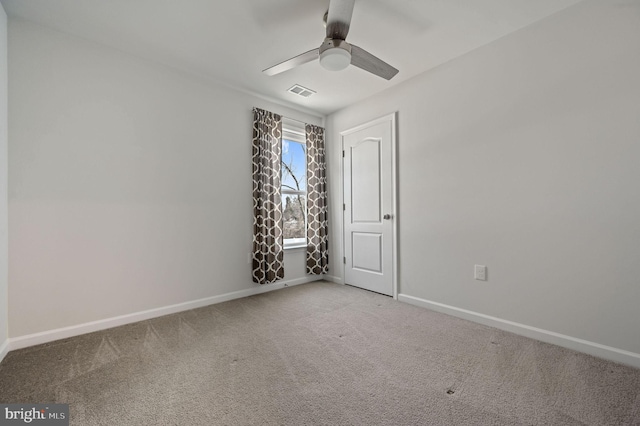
[294, 132]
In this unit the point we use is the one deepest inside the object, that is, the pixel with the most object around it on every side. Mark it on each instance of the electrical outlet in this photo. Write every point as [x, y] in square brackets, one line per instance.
[480, 273]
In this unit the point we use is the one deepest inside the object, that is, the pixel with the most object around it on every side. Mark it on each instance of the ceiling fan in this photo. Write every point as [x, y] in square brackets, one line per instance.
[335, 53]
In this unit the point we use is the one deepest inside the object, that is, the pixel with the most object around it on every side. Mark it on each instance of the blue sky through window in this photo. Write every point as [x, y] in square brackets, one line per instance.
[294, 158]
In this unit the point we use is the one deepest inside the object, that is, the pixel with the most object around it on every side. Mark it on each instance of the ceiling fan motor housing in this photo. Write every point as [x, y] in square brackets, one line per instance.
[335, 54]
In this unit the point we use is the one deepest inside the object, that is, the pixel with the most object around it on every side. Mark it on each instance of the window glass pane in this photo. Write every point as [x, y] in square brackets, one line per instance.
[294, 166]
[293, 207]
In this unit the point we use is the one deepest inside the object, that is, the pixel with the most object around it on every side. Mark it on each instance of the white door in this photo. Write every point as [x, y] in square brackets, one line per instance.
[369, 206]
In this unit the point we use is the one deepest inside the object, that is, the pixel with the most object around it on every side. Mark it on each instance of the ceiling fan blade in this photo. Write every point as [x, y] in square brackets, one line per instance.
[339, 18]
[293, 62]
[365, 60]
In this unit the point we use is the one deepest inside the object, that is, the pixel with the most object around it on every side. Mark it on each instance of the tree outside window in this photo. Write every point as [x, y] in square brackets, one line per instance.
[294, 191]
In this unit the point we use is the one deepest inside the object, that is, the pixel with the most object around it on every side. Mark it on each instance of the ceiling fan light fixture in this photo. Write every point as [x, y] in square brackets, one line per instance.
[335, 59]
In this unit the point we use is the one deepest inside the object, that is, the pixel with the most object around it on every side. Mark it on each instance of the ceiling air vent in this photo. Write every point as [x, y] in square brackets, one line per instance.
[296, 89]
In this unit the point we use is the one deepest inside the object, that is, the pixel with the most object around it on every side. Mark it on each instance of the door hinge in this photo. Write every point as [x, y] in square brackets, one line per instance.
[344, 260]
[343, 153]
[344, 207]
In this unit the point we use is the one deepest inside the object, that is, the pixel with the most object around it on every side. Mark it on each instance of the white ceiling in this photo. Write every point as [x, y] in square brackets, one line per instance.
[233, 41]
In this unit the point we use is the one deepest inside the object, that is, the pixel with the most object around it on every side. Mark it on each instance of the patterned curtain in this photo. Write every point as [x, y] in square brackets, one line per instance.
[268, 256]
[317, 214]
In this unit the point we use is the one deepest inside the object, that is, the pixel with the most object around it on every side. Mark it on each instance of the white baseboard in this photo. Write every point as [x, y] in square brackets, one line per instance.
[607, 352]
[89, 327]
[333, 279]
[4, 349]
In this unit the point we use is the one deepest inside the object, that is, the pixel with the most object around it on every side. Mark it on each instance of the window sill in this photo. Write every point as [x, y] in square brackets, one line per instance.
[295, 246]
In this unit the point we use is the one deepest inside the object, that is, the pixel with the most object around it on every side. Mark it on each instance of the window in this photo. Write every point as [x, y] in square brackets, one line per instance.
[294, 185]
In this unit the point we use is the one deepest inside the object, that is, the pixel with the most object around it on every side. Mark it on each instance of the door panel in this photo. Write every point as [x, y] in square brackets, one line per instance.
[365, 175]
[369, 206]
[367, 251]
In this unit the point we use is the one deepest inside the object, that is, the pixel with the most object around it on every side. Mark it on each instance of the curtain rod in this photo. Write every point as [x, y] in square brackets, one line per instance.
[293, 119]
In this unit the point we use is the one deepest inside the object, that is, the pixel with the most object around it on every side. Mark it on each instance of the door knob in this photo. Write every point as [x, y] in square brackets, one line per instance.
[386, 216]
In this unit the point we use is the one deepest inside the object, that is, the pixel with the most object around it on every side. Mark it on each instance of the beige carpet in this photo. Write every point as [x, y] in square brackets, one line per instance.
[319, 353]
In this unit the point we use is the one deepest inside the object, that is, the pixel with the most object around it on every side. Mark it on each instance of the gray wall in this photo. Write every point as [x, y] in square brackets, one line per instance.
[523, 155]
[3, 184]
[130, 184]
